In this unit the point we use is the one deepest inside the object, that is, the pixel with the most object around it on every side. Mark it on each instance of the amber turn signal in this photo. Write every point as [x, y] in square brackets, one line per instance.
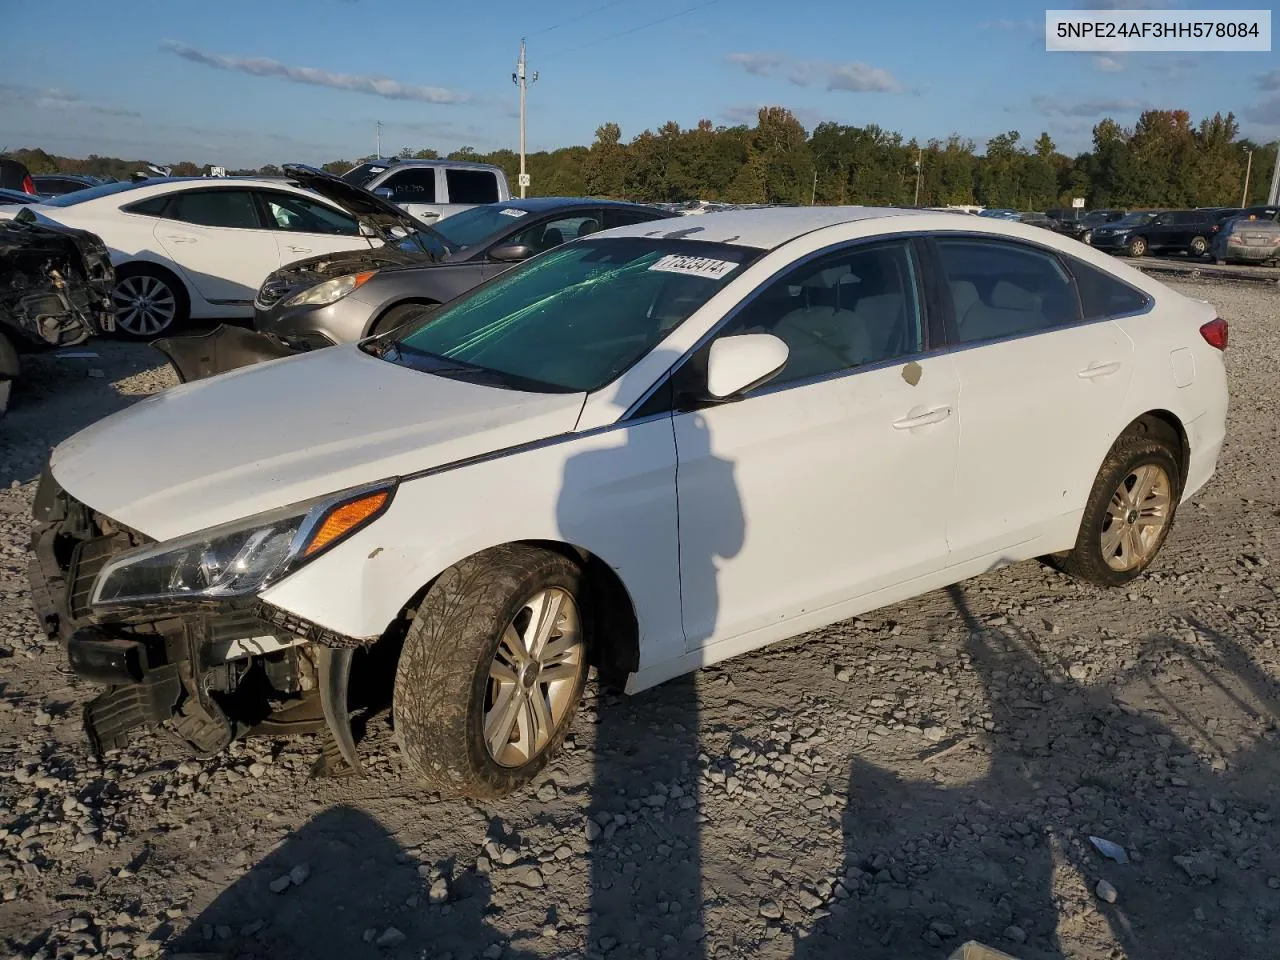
[345, 518]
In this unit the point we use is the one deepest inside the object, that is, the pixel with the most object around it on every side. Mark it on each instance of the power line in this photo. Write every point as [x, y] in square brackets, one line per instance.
[582, 16]
[630, 30]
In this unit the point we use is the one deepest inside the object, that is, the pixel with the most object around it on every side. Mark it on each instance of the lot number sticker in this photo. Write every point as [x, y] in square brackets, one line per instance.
[694, 266]
[509, 212]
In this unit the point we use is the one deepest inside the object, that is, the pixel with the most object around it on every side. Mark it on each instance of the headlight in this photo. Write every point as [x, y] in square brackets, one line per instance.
[330, 290]
[238, 558]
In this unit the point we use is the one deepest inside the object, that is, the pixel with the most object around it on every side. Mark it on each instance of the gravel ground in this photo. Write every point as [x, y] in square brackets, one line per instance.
[887, 787]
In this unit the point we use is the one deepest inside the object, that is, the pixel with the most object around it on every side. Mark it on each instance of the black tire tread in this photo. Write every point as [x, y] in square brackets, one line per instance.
[1085, 561]
[451, 639]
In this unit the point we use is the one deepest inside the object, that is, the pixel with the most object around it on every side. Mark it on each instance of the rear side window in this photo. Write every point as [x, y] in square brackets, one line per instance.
[1102, 295]
[215, 208]
[412, 185]
[1005, 290]
[471, 186]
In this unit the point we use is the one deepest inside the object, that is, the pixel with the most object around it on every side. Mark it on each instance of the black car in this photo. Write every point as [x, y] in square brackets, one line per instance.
[14, 175]
[1081, 228]
[59, 184]
[1169, 231]
[343, 297]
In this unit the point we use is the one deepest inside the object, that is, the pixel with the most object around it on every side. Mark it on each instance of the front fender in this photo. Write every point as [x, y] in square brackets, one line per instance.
[224, 348]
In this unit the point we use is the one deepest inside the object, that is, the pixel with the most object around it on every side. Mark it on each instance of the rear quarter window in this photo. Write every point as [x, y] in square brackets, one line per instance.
[471, 186]
[1102, 295]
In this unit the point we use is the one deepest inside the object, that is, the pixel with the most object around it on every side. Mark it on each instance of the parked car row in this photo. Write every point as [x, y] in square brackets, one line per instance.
[1195, 233]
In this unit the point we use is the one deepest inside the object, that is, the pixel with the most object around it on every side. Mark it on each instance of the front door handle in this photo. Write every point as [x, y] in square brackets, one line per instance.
[179, 238]
[922, 419]
[1095, 370]
[300, 249]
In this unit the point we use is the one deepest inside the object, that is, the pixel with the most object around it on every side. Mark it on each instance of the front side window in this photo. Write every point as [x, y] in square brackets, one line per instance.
[1004, 290]
[572, 320]
[413, 185]
[300, 215]
[840, 312]
[471, 186]
[215, 208]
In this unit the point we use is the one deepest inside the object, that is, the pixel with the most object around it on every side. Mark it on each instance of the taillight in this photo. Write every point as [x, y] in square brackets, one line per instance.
[28, 185]
[1215, 333]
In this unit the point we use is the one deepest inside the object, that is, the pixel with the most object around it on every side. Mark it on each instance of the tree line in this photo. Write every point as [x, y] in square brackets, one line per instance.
[1163, 160]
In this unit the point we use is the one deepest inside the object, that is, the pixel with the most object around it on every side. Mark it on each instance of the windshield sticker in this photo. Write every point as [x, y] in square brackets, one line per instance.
[377, 169]
[694, 266]
[509, 212]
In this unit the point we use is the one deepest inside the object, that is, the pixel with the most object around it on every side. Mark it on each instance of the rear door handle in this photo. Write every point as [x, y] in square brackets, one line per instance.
[1095, 370]
[936, 415]
[300, 249]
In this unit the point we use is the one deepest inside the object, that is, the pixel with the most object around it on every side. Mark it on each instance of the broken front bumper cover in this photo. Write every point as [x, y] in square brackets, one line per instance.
[206, 673]
[224, 348]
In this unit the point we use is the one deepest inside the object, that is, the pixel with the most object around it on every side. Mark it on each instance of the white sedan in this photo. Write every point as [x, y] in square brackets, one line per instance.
[646, 450]
[201, 247]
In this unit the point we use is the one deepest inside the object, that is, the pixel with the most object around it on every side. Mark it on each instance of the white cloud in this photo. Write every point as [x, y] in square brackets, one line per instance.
[853, 77]
[1107, 64]
[1269, 82]
[356, 83]
[51, 98]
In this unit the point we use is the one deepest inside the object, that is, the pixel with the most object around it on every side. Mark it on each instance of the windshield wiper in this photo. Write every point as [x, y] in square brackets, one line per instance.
[452, 369]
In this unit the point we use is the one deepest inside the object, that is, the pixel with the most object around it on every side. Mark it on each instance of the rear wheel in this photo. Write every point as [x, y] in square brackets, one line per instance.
[149, 302]
[492, 670]
[9, 368]
[1129, 512]
[1138, 247]
[1198, 247]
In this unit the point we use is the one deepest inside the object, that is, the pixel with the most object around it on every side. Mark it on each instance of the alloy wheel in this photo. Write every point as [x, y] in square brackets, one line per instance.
[145, 305]
[1136, 518]
[533, 677]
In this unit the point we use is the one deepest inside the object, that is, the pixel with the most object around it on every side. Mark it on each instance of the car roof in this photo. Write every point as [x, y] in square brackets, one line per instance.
[542, 204]
[768, 227]
[415, 162]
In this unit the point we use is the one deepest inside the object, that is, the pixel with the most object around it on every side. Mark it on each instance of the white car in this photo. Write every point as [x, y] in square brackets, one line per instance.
[201, 247]
[648, 450]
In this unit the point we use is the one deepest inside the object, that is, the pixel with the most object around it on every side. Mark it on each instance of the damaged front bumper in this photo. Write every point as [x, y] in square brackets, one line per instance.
[203, 673]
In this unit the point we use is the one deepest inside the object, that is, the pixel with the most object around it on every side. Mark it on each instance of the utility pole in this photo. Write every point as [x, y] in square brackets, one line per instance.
[520, 79]
[1248, 169]
[813, 197]
[1273, 196]
[378, 141]
[919, 159]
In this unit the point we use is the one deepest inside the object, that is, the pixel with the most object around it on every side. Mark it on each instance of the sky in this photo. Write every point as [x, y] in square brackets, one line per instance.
[242, 83]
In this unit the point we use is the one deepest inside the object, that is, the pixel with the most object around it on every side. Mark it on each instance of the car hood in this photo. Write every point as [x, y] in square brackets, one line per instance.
[369, 209]
[305, 273]
[275, 433]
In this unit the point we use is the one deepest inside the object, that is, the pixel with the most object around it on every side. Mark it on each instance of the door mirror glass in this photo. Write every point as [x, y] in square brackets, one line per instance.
[386, 193]
[511, 251]
[740, 363]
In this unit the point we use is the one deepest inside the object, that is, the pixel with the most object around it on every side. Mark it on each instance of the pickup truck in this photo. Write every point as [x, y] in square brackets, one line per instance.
[431, 190]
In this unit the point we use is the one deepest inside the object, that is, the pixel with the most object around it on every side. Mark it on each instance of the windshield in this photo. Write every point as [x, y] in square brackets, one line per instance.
[572, 319]
[423, 240]
[364, 172]
[469, 227]
[1101, 216]
[93, 193]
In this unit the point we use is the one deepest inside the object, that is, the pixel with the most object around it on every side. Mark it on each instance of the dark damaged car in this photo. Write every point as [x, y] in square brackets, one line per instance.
[55, 290]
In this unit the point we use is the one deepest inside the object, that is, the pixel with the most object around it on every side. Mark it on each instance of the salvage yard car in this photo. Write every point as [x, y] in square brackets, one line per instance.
[55, 291]
[322, 301]
[1247, 240]
[646, 450]
[200, 247]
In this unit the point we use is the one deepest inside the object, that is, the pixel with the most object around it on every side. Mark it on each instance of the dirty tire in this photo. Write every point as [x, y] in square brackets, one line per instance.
[443, 672]
[397, 316]
[1133, 450]
[1138, 247]
[1198, 247]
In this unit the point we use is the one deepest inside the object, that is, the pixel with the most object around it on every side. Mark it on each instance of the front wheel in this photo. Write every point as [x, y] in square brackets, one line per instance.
[492, 670]
[1129, 512]
[1138, 247]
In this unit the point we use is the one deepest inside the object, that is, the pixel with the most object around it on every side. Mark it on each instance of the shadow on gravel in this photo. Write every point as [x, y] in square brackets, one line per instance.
[992, 859]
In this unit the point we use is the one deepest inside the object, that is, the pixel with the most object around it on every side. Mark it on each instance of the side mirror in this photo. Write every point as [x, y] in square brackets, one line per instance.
[386, 193]
[740, 363]
[511, 251]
